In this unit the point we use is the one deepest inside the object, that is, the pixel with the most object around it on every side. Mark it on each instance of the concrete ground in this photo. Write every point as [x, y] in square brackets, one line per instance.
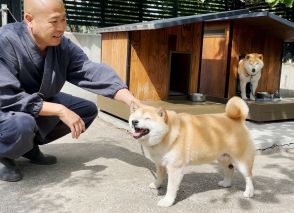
[107, 171]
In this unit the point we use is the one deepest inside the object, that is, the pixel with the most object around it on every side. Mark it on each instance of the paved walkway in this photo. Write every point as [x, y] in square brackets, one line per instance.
[106, 171]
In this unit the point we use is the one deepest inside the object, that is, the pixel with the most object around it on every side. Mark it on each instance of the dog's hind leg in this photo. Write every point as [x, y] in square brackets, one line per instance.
[161, 173]
[226, 164]
[245, 168]
[175, 176]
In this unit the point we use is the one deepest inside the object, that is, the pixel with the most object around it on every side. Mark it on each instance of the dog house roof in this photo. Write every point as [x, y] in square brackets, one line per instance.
[265, 21]
[170, 22]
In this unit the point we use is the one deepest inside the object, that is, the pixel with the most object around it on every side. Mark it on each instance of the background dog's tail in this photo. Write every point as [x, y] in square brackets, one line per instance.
[236, 108]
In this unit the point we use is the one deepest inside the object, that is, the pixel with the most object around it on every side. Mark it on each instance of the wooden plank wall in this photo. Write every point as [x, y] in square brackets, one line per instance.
[150, 59]
[114, 52]
[248, 39]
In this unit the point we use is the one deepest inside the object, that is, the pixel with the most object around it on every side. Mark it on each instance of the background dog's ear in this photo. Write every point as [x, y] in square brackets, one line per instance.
[133, 107]
[247, 56]
[162, 113]
[260, 56]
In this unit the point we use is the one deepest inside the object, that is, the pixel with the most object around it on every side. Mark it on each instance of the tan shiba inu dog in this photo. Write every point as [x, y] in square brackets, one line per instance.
[249, 70]
[177, 140]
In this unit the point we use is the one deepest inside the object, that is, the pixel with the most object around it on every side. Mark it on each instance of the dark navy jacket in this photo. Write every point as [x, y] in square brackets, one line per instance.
[26, 77]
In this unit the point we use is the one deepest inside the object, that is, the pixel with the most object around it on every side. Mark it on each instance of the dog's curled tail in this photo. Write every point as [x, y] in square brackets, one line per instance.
[236, 108]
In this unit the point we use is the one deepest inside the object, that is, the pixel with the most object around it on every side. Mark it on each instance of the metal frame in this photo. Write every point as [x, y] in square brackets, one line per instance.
[4, 14]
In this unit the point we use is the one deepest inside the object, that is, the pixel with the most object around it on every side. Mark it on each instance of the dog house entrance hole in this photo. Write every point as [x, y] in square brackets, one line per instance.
[180, 66]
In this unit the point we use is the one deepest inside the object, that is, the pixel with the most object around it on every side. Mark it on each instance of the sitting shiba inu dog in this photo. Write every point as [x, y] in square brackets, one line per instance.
[177, 140]
[249, 70]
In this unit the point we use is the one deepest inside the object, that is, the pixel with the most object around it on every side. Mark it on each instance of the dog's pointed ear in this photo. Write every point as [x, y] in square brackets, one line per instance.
[162, 113]
[133, 107]
[260, 56]
[247, 56]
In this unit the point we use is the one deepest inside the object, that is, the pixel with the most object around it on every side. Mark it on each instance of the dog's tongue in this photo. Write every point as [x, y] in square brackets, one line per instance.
[138, 133]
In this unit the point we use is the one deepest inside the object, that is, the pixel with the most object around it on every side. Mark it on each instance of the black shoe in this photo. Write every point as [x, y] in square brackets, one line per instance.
[9, 172]
[37, 157]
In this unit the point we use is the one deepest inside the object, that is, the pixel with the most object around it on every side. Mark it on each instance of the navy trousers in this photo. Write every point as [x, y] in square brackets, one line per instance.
[19, 131]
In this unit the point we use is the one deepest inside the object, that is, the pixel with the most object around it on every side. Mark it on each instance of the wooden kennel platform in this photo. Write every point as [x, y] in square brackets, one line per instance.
[258, 111]
[271, 111]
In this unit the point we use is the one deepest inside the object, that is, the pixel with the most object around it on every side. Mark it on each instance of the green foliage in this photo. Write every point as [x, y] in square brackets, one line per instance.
[288, 53]
[288, 3]
[272, 3]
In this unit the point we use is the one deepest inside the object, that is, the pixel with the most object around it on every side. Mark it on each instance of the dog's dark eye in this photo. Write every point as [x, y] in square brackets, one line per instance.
[147, 118]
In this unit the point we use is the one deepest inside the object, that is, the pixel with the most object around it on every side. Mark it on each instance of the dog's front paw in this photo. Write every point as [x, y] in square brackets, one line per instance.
[166, 202]
[154, 185]
[225, 184]
[244, 98]
[248, 193]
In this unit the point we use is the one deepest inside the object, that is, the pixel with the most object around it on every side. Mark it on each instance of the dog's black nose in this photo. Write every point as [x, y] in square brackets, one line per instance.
[253, 70]
[135, 122]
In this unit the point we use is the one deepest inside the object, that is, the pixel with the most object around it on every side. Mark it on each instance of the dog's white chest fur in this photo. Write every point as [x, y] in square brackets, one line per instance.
[161, 157]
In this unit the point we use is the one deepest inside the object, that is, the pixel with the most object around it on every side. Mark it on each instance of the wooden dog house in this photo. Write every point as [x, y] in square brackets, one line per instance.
[172, 58]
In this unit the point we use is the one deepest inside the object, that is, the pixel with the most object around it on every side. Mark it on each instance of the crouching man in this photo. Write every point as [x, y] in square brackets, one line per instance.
[35, 61]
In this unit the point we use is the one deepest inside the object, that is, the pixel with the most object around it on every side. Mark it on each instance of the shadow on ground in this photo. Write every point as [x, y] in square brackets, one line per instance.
[79, 167]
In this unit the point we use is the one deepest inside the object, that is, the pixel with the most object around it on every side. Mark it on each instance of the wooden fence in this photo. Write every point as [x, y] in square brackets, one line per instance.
[103, 13]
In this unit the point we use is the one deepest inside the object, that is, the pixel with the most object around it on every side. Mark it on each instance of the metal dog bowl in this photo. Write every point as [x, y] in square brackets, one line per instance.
[197, 97]
[263, 95]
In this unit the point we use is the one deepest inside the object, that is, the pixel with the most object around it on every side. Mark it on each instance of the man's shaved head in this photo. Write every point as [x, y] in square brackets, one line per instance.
[46, 21]
[37, 6]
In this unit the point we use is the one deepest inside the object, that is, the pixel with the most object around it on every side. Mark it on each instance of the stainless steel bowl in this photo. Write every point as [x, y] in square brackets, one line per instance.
[263, 95]
[197, 97]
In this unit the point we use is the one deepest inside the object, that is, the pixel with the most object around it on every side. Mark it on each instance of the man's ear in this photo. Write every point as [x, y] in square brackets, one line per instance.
[133, 107]
[162, 113]
[28, 18]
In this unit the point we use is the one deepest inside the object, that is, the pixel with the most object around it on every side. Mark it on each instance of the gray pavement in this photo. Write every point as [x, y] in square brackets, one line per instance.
[107, 171]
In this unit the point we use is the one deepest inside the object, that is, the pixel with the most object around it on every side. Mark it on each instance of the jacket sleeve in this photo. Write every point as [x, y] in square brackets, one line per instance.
[12, 95]
[94, 77]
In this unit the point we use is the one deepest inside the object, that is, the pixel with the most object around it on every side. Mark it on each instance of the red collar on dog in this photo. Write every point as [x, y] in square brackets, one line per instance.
[249, 75]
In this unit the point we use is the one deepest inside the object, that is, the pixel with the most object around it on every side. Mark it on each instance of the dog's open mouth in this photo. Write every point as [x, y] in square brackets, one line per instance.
[139, 132]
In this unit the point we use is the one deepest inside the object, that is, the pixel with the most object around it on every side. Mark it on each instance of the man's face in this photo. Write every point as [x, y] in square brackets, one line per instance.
[48, 25]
